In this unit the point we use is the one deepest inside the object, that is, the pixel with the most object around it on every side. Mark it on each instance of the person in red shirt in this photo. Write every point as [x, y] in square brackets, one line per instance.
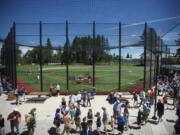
[51, 90]
[165, 100]
[15, 118]
[152, 97]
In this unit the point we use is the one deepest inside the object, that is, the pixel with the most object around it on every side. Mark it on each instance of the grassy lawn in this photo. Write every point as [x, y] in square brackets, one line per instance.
[107, 75]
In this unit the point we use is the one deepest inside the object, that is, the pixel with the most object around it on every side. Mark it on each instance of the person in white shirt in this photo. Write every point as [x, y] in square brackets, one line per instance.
[142, 97]
[72, 99]
[78, 98]
[58, 88]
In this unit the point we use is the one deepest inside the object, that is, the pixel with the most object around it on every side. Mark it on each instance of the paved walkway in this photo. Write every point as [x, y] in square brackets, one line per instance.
[46, 111]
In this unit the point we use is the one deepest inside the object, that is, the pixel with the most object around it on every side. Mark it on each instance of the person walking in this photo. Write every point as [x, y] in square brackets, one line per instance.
[84, 126]
[105, 119]
[21, 95]
[72, 112]
[139, 117]
[121, 123]
[165, 100]
[16, 95]
[160, 110]
[116, 109]
[126, 114]
[58, 88]
[90, 120]
[31, 121]
[67, 127]
[78, 119]
[152, 97]
[2, 127]
[84, 95]
[98, 122]
[89, 99]
[112, 123]
[78, 98]
[142, 97]
[15, 118]
[135, 99]
[57, 120]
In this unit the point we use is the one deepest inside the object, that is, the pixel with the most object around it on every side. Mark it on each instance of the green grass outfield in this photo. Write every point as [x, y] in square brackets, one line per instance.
[107, 74]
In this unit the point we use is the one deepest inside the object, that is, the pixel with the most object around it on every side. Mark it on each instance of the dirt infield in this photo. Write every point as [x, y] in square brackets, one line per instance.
[84, 79]
[138, 87]
[26, 86]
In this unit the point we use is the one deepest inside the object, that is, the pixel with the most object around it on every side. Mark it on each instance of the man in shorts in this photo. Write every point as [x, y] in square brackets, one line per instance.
[67, 119]
[105, 119]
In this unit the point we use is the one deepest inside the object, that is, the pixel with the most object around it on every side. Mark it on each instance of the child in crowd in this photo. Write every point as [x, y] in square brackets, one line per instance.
[84, 126]
[72, 111]
[165, 100]
[112, 123]
[98, 122]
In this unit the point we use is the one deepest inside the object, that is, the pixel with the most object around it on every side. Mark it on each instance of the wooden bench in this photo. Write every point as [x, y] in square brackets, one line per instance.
[36, 99]
[124, 99]
[11, 97]
[39, 94]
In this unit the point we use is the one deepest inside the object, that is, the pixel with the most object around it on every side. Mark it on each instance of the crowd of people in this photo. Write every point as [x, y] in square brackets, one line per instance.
[69, 112]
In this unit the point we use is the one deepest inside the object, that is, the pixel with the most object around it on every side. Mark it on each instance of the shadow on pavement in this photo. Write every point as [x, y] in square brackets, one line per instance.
[73, 131]
[153, 122]
[25, 133]
[52, 131]
[133, 127]
[171, 121]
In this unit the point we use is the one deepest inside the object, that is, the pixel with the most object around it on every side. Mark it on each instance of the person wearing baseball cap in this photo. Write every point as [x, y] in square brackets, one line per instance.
[116, 108]
[84, 126]
[105, 119]
[15, 118]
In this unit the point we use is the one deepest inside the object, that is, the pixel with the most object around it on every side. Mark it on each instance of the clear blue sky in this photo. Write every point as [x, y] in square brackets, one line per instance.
[126, 11]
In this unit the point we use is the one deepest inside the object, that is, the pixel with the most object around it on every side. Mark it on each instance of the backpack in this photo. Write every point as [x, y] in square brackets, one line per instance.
[121, 121]
[178, 112]
[32, 121]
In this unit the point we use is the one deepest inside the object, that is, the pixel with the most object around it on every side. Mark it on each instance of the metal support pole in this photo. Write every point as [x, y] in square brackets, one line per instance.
[67, 58]
[14, 42]
[166, 55]
[150, 84]
[145, 44]
[156, 79]
[94, 44]
[119, 82]
[40, 36]
[161, 52]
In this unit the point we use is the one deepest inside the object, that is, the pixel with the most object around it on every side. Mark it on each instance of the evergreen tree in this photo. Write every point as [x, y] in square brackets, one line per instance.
[127, 56]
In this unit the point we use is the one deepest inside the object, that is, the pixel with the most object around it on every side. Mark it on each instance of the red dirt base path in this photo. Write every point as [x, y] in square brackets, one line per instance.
[26, 86]
[29, 89]
[138, 87]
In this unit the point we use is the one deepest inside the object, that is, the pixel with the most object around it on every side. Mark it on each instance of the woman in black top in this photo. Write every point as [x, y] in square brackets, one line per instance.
[135, 99]
[63, 102]
[139, 118]
[160, 110]
[2, 129]
[177, 126]
[90, 119]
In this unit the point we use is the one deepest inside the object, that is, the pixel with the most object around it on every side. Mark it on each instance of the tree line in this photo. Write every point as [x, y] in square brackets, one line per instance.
[79, 51]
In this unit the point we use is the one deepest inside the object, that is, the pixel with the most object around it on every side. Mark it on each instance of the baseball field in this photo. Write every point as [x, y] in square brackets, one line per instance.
[106, 77]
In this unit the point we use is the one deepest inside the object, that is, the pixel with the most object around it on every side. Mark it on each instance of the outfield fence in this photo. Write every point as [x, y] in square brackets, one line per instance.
[107, 56]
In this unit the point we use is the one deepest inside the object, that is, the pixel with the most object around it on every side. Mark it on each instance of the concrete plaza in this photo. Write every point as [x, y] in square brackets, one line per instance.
[46, 110]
